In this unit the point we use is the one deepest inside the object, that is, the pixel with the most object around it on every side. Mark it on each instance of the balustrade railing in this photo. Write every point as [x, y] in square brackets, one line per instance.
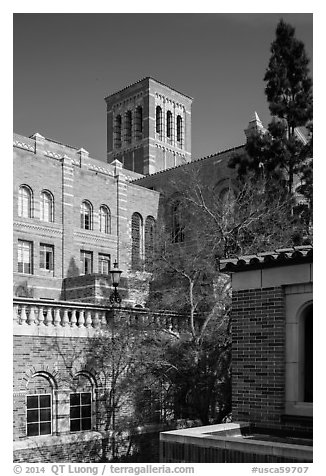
[59, 314]
[63, 314]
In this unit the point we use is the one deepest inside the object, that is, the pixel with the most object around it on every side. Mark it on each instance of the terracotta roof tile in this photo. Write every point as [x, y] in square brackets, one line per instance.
[294, 255]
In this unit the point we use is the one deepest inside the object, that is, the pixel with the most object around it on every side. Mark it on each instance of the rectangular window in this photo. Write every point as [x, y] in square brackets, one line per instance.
[80, 411]
[104, 263]
[25, 257]
[46, 257]
[39, 415]
[86, 258]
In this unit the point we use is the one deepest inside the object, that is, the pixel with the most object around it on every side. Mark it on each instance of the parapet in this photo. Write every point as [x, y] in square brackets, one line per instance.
[37, 144]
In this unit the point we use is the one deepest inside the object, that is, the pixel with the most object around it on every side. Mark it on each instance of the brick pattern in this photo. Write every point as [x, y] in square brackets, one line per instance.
[72, 177]
[87, 452]
[258, 356]
[140, 153]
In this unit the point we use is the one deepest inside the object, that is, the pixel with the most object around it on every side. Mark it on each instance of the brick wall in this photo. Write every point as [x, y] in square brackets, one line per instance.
[214, 173]
[258, 356]
[57, 361]
[47, 361]
[75, 452]
[142, 155]
[72, 177]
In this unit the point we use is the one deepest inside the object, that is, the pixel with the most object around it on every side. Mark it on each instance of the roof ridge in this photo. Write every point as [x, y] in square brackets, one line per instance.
[192, 161]
[143, 79]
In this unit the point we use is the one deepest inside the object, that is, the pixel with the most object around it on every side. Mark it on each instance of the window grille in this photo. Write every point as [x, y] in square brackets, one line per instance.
[46, 257]
[136, 241]
[117, 131]
[25, 202]
[128, 127]
[169, 125]
[46, 208]
[139, 123]
[86, 258]
[86, 216]
[80, 411]
[159, 121]
[179, 131]
[39, 415]
[149, 239]
[105, 219]
[104, 263]
[25, 257]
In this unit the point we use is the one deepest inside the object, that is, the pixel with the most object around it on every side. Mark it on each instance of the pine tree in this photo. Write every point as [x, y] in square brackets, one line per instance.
[289, 87]
[279, 154]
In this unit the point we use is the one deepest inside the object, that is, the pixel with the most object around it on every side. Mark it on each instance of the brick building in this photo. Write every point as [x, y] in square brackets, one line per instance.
[272, 367]
[148, 127]
[73, 216]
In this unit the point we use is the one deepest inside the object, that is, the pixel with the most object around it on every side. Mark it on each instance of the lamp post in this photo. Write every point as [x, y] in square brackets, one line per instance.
[114, 299]
[115, 276]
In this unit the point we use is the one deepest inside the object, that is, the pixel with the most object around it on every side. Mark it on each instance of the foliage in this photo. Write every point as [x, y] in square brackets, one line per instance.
[183, 370]
[122, 357]
[289, 87]
[185, 279]
[279, 156]
[274, 157]
[201, 374]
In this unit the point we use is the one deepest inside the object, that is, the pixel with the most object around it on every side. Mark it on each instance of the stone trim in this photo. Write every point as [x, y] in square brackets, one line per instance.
[44, 229]
[54, 440]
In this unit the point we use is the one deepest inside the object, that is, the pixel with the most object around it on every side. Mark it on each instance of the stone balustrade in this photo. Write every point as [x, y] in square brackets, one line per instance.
[58, 314]
[41, 317]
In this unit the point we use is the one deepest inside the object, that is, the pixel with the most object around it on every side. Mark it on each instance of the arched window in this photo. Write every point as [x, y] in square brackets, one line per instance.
[227, 199]
[81, 403]
[128, 126]
[39, 403]
[177, 223]
[86, 221]
[105, 219]
[307, 325]
[159, 117]
[169, 125]
[117, 131]
[46, 206]
[149, 239]
[226, 195]
[136, 241]
[25, 198]
[139, 123]
[179, 130]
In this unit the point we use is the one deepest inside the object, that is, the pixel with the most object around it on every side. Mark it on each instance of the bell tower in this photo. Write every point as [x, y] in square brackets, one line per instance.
[148, 127]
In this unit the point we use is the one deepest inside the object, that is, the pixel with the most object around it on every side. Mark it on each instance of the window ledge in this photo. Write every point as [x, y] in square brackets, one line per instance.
[299, 410]
[55, 440]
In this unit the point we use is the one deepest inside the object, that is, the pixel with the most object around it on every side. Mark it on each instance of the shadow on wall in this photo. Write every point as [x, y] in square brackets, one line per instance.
[23, 290]
[73, 270]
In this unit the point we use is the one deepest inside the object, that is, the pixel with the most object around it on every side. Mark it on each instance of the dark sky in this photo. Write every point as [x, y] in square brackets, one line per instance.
[65, 64]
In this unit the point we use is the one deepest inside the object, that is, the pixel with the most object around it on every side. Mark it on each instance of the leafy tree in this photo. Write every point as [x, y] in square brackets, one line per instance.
[185, 279]
[122, 355]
